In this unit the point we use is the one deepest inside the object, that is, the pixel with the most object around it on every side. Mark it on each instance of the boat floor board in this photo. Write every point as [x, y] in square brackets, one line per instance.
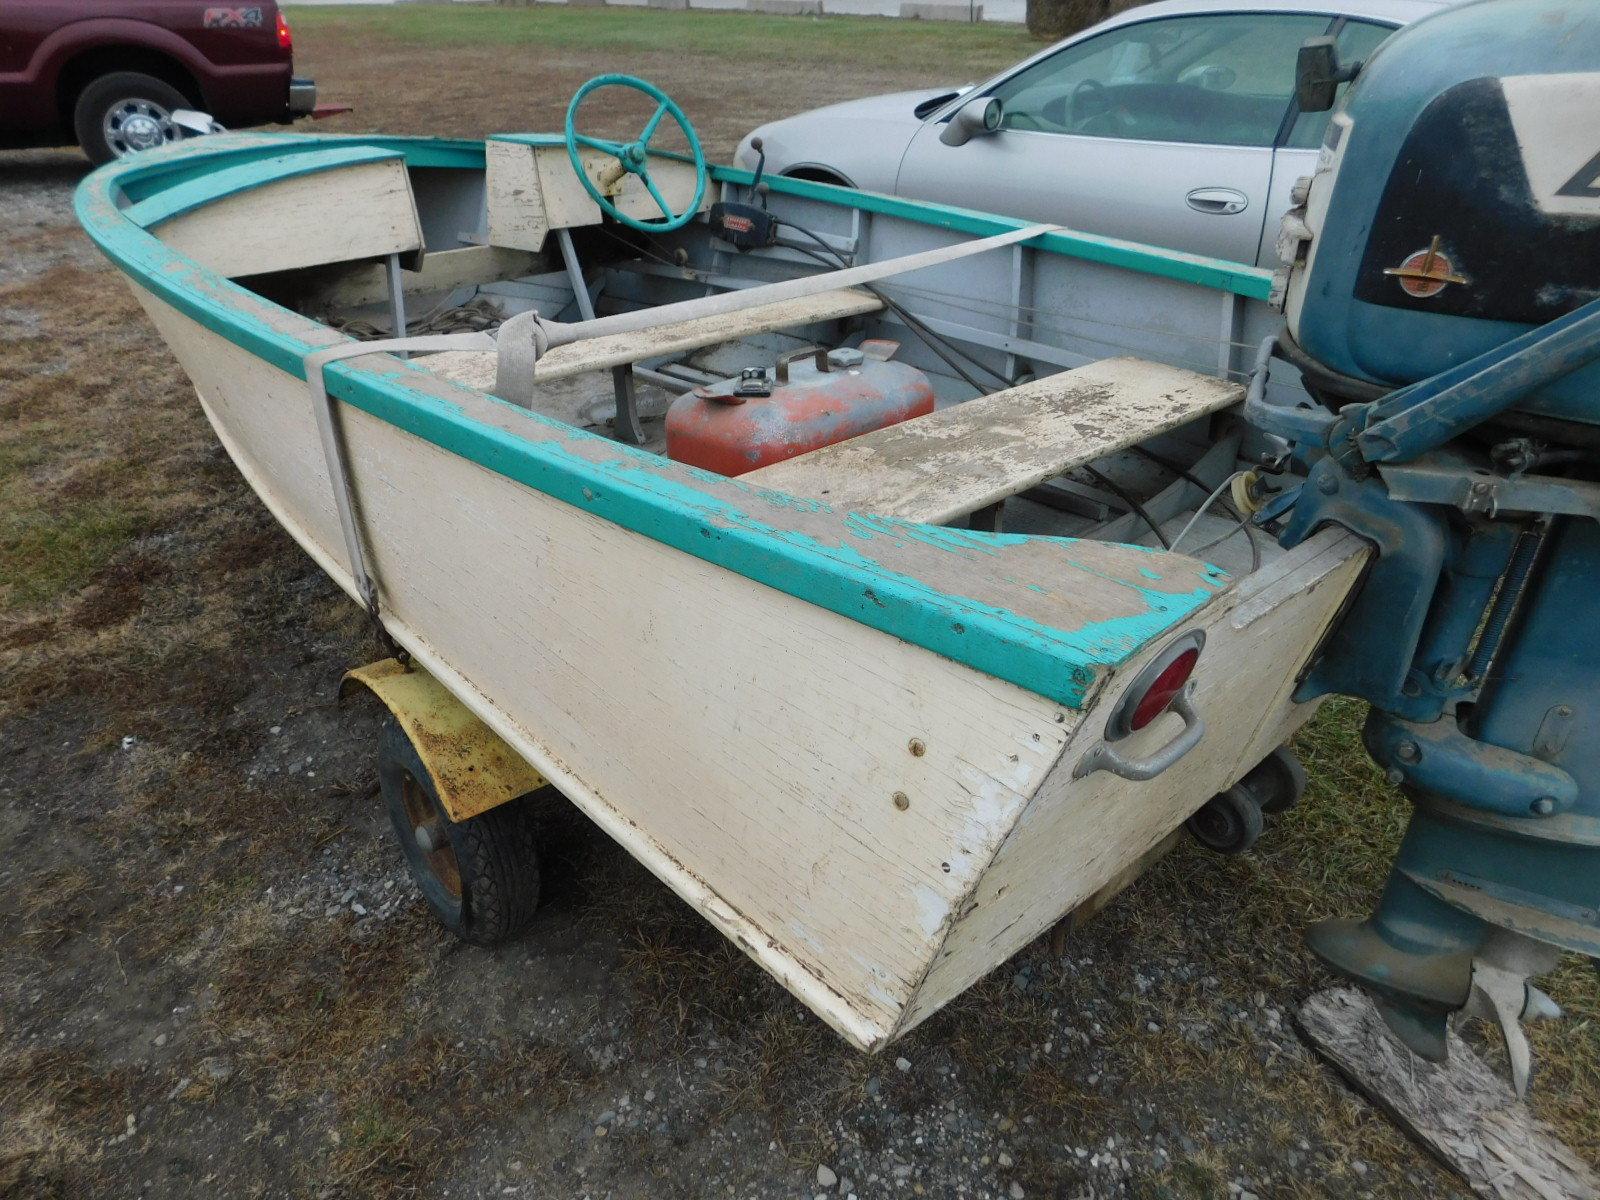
[960, 459]
[476, 369]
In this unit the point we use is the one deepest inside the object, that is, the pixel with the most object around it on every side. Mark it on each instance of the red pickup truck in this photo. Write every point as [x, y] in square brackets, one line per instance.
[108, 74]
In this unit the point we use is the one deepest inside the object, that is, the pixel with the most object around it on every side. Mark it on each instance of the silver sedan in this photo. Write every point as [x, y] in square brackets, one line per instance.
[1172, 124]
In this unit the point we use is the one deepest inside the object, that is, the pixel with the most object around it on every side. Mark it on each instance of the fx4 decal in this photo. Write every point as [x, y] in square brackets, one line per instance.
[232, 18]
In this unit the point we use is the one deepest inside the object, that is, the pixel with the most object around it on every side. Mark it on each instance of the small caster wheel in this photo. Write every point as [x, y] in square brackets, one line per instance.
[1229, 823]
[1278, 781]
[480, 876]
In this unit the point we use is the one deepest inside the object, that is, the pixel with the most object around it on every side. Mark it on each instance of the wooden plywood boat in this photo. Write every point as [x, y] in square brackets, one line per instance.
[874, 733]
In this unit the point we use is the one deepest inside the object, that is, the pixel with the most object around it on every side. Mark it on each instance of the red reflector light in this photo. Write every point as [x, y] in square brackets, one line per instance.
[1155, 687]
[285, 37]
[1164, 689]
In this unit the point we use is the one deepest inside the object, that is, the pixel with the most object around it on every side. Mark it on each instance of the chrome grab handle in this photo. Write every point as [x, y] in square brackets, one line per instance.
[1103, 758]
[1218, 201]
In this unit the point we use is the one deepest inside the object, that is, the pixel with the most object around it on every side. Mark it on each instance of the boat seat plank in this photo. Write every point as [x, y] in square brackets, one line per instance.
[953, 462]
[476, 369]
[618, 349]
[216, 185]
[312, 209]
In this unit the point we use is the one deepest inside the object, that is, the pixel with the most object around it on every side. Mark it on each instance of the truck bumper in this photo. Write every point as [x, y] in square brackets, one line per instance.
[302, 97]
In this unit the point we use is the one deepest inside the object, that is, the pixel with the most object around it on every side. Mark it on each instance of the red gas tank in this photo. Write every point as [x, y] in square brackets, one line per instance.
[804, 403]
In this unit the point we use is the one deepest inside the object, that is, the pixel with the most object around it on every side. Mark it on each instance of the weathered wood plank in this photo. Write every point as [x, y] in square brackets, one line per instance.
[615, 349]
[533, 189]
[963, 458]
[1460, 1110]
[476, 369]
[333, 216]
[517, 218]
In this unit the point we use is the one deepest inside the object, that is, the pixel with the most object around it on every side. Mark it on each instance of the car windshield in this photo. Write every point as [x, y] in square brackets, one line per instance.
[1222, 79]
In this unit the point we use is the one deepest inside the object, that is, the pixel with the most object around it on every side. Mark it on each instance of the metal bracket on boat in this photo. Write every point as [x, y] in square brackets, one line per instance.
[333, 450]
[1103, 758]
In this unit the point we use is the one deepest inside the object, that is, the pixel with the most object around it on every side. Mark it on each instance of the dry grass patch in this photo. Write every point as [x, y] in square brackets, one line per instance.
[56, 1111]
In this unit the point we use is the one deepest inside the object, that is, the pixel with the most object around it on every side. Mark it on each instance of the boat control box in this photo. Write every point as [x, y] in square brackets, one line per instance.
[812, 398]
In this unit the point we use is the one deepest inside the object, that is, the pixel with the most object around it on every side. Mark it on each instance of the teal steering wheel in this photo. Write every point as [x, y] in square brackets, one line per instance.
[633, 157]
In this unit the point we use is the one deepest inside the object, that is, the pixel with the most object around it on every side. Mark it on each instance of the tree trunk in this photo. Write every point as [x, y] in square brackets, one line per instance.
[1053, 19]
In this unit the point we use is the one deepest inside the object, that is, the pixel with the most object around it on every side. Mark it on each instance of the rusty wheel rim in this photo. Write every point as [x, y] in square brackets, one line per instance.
[441, 863]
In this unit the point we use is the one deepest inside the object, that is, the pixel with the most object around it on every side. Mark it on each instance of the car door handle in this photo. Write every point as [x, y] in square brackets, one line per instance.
[1220, 201]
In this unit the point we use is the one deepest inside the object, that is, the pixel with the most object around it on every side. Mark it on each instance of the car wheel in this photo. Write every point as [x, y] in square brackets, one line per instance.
[125, 112]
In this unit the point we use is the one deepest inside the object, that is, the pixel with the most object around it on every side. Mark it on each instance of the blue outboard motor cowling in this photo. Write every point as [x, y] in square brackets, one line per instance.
[1443, 301]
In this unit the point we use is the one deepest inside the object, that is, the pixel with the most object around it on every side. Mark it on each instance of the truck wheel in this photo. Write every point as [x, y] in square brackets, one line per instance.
[125, 112]
[1229, 822]
[1278, 781]
[480, 876]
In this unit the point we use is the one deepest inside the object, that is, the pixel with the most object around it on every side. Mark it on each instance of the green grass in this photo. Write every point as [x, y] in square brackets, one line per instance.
[48, 551]
[626, 32]
[55, 537]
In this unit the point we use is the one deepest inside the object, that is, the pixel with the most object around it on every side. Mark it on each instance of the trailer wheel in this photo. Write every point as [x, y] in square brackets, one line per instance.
[1278, 781]
[480, 876]
[1229, 822]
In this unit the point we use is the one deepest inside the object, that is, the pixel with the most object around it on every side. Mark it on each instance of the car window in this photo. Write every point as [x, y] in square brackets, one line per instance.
[1356, 41]
[1224, 79]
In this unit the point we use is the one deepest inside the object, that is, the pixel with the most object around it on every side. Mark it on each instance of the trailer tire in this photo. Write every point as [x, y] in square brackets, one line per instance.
[1229, 822]
[482, 877]
[1278, 781]
[143, 99]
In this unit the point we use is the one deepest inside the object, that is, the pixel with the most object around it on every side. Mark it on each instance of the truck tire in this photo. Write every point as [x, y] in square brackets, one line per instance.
[124, 112]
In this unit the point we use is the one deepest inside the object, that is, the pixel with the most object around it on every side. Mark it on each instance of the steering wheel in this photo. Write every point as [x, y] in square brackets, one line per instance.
[1089, 100]
[1097, 114]
[633, 157]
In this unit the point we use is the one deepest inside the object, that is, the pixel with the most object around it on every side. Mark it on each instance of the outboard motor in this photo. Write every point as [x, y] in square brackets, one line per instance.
[1443, 304]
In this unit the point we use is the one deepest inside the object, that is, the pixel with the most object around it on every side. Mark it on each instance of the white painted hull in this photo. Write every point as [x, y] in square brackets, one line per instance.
[748, 746]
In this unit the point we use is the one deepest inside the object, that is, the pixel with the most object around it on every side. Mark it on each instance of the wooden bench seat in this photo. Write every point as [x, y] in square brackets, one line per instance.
[967, 457]
[306, 207]
[477, 368]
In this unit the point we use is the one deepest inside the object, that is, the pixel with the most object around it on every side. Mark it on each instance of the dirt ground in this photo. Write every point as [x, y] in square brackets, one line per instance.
[216, 979]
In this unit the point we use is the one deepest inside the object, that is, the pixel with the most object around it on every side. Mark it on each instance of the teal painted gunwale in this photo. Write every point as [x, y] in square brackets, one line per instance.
[633, 488]
[1250, 282]
[145, 179]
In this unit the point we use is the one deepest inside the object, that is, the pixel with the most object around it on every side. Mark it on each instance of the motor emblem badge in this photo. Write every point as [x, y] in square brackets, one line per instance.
[1425, 273]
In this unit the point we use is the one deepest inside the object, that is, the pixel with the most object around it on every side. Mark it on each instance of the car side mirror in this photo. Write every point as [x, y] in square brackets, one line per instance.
[977, 117]
[1317, 74]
